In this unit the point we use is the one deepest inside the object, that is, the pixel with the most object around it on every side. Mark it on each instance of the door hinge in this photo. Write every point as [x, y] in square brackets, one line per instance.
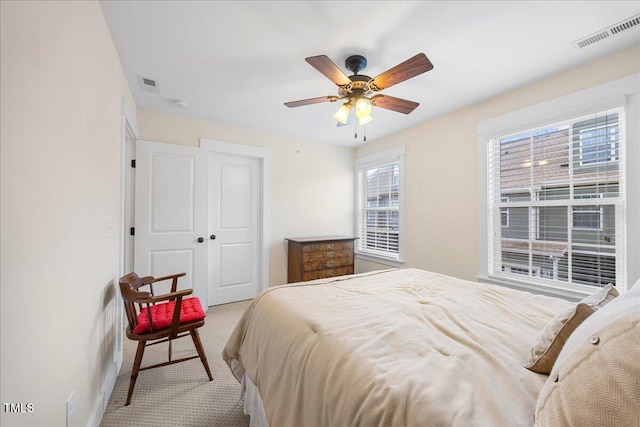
[132, 231]
[133, 163]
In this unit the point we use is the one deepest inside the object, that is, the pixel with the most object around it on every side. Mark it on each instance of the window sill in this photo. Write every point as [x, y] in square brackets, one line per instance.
[557, 292]
[379, 259]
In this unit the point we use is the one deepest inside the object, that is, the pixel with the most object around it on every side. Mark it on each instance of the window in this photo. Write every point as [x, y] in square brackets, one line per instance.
[588, 217]
[598, 140]
[504, 214]
[378, 204]
[569, 175]
[521, 269]
[555, 204]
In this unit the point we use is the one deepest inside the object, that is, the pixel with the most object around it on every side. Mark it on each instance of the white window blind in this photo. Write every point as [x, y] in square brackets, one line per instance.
[378, 206]
[562, 187]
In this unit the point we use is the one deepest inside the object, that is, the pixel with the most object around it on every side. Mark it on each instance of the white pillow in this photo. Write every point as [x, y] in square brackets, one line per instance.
[550, 341]
[595, 380]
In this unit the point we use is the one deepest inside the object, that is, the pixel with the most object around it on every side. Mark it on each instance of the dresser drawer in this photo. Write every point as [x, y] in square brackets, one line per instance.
[323, 274]
[327, 263]
[328, 246]
[326, 255]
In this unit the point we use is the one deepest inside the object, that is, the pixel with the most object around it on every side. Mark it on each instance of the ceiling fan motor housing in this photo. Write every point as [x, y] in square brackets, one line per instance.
[355, 63]
[359, 86]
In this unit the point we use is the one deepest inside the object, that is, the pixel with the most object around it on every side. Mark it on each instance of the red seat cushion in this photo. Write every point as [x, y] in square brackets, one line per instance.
[162, 314]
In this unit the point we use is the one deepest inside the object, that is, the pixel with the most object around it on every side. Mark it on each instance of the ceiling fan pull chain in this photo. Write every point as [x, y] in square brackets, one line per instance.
[365, 133]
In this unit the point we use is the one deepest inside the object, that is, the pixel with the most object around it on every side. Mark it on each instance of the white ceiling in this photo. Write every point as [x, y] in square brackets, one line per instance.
[237, 62]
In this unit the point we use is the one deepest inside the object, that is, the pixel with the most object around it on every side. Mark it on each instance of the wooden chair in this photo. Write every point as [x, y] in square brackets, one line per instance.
[157, 319]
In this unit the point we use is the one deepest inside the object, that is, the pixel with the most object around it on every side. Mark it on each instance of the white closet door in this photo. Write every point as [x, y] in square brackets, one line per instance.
[171, 214]
[234, 221]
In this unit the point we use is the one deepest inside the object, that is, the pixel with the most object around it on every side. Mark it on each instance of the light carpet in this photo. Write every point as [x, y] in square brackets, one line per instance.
[181, 394]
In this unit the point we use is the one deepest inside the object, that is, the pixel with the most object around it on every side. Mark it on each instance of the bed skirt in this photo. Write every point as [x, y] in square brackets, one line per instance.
[253, 404]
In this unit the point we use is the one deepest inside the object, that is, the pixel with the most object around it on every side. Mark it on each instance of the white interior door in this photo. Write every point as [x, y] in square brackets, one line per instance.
[234, 221]
[171, 214]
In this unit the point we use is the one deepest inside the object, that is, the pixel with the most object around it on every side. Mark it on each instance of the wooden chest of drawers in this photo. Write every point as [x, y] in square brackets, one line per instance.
[319, 257]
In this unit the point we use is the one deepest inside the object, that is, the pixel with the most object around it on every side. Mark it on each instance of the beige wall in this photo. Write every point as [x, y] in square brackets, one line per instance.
[311, 183]
[441, 194]
[61, 88]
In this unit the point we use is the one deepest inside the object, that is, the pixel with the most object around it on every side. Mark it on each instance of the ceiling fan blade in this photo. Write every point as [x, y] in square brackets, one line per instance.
[404, 71]
[394, 104]
[309, 101]
[330, 70]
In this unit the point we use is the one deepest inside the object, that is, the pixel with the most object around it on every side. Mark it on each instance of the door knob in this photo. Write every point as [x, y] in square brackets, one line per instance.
[212, 237]
[200, 239]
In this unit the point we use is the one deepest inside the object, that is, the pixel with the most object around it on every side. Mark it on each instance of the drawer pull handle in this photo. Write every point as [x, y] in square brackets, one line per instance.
[330, 263]
[330, 246]
[330, 254]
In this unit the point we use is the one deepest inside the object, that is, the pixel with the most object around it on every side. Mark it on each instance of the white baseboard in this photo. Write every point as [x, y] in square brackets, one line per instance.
[102, 400]
[96, 413]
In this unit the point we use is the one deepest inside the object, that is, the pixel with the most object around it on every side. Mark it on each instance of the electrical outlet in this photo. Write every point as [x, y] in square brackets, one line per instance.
[71, 408]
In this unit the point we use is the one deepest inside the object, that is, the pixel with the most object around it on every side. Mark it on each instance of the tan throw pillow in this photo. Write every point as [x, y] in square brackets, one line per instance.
[550, 341]
[596, 379]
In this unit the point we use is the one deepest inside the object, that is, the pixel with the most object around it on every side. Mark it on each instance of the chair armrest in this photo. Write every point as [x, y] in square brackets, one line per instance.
[150, 299]
[132, 294]
[142, 281]
[171, 296]
[174, 285]
[172, 276]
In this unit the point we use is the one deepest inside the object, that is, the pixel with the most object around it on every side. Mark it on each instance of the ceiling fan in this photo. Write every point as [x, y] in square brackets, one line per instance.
[360, 91]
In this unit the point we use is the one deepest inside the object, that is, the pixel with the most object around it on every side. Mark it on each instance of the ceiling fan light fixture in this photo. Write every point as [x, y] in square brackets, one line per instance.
[364, 120]
[363, 108]
[342, 115]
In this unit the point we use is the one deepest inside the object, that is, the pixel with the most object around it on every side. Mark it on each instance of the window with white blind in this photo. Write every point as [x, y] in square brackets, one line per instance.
[378, 204]
[562, 186]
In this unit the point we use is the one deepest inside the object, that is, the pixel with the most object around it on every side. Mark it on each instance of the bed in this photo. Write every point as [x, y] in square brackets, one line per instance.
[402, 347]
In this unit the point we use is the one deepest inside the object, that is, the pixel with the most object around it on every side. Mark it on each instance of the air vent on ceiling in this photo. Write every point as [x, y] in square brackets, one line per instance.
[149, 85]
[607, 32]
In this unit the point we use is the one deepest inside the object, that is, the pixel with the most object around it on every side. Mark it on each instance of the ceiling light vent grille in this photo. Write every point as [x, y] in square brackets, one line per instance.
[607, 32]
[149, 85]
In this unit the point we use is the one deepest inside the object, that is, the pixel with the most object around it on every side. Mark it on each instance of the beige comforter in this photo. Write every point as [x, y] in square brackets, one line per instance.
[393, 348]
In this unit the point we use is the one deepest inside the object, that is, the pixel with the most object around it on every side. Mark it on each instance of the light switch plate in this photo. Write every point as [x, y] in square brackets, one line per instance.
[108, 228]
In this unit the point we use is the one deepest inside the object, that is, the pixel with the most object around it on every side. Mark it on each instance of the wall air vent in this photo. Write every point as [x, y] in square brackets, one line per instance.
[607, 32]
[591, 39]
[625, 25]
[149, 85]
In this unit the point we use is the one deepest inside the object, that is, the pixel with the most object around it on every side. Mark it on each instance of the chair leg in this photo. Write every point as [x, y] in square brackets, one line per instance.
[136, 368]
[203, 357]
